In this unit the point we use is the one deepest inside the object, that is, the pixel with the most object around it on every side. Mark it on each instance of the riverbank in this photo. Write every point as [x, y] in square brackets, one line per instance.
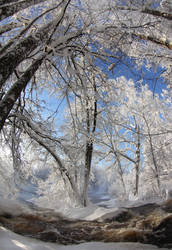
[147, 223]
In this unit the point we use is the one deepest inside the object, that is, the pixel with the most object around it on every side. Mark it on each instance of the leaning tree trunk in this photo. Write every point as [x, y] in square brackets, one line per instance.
[7, 27]
[7, 103]
[2, 2]
[8, 8]
[12, 58]
[34, 133]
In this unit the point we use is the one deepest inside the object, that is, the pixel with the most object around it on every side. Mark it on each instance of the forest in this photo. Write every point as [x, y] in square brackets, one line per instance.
[85, 124]
[85, 100]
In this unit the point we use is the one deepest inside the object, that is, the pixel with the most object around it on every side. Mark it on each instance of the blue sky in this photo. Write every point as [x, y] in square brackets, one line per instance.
[128, 68]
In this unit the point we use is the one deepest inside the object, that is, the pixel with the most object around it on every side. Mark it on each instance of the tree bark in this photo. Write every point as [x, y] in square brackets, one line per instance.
[153, 157]
[2, 2]
[7, 103]
[89, 149]
[153, 12]
[88, 159]
[158, 13]
[16, 55]
[137, 164]
[7, 27]
[10, 60]
[162, 42]
[10, 8]
[120, 171]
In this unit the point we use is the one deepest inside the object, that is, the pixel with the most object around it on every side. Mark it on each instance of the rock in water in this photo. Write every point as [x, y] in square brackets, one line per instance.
[162, 234]
[167, 206]
[148, 223]
[121, 215]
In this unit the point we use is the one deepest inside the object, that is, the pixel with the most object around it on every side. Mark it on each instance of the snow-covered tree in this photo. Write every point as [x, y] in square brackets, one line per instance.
[68, 48]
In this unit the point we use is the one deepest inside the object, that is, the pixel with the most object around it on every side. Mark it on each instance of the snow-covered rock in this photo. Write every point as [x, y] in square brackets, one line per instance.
[12, 207]
[12, 241]
[148, 223]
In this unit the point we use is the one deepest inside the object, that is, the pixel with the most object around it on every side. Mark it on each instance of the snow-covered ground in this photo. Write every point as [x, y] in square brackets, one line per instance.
[91, 212]
[12, 241]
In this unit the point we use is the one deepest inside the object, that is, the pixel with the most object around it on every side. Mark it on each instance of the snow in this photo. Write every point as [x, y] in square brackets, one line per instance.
[12, 207]
[89, 213]
[94, 212]
[12, 241]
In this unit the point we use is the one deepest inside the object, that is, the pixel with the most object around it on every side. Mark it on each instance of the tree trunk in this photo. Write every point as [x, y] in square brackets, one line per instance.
[88, 158]
[137, 165]
[10, 8]
[2, 2]
[153, 157]
[7, 27]
[7, 103]
[120, 171]
[10, 60]
[89, 147]
[16, 55]
[36, 135]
